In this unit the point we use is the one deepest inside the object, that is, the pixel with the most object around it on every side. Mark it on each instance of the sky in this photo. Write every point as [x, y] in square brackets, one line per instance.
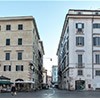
[49, 16]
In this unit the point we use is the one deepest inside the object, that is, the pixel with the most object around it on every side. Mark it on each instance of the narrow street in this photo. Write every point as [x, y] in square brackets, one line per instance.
[53, 93]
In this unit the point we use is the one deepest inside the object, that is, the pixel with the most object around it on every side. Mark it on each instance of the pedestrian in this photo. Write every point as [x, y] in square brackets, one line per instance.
[13, 90]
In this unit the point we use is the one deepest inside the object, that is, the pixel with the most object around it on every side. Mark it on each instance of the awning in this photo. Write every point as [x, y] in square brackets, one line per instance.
[5, 82]
[32, 82]
[4, 78]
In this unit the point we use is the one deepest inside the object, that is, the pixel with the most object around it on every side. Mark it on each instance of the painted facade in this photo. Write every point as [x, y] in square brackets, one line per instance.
[79, 51]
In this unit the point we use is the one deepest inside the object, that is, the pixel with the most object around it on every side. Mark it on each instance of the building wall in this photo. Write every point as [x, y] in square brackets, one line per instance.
[85, 50]
[68, 73]
[29, 48]
[54, 74]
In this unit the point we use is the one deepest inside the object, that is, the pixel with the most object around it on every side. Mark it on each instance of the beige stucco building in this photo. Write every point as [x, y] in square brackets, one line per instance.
[21, 50]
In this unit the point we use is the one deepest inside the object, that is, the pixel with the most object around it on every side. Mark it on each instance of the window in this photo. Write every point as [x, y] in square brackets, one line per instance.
[79, 41]
[80, 72]
[7, 68]
[7, 56]
[19, 67]
[8, 27]
[0, 27]
[96, 25]
[79, 13]
[96, 13]
[54, 73]
[97, 58]
[68, 30]
[20, 27]
[19, 55]
[80, 59]
[20, 41]
[96, 41]
[7, 41]
[97, 72]
[79, 25]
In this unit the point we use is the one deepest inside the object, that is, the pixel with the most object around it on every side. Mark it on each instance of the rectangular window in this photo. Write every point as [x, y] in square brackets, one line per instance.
[79, 41]
[7, 41]
[96, 25]
[97, 58]
[20, 41]
[20, 27]
[96, 41]
[0, 27]
[80, 60]
[19, 55]
[19, 67]
[97, 72]
[80, 72]
[79, 25]
[68, 30]
[8, 27]
[7, 68]
[7, 56]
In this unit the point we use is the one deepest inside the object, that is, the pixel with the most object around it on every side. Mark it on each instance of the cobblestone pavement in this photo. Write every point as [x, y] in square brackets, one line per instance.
[53, 93]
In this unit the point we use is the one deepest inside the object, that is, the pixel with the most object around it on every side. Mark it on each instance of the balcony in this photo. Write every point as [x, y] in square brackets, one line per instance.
[80, 65]
[79, 31]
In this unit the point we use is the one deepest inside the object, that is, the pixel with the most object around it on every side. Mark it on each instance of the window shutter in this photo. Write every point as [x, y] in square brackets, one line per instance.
[4, 68]
[82, 41]
[98, 41]
[16, 68]
[94, 41]
[21, 67]
[9, 68]
[77, 40]
[76, 25]
[82, 25]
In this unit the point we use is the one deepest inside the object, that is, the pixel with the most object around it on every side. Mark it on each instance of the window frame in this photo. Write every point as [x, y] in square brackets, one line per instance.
[8, 27]
[79, 41]
[96, 74]
[96, 25]
[7, 68]
[19, 68]
[96, 41]
[80, 59]
[19, 41]
[19, 55]
[77, 25]
[97, 58]
[7, 42]
[20, 26]
[7, 56]
[80, 72]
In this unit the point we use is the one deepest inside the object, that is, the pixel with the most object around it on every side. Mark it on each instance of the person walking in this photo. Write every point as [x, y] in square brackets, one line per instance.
[13, 90]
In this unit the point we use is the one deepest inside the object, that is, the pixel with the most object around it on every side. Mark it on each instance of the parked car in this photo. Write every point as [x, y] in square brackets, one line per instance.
[45, 86]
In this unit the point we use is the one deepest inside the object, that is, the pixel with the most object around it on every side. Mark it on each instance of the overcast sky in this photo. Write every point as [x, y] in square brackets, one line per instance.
[49, 16]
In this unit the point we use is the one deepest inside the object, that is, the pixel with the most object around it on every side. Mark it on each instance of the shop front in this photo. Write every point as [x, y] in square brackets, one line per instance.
[5, 84]
[24, 85]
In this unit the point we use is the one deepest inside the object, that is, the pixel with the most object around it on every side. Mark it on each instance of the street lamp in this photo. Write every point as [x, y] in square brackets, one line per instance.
[31, 66]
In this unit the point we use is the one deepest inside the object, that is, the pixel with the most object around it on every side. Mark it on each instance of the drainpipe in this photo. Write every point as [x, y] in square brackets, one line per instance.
[92, 49]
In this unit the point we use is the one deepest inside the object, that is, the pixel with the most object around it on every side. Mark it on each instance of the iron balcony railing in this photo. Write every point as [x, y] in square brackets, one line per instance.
[80, 65]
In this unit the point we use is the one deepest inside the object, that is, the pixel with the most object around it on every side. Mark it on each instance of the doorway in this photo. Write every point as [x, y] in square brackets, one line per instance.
[79, 84]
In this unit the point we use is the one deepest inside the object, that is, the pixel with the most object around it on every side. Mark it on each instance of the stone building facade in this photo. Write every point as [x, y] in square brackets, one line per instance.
[79, 51]
[21, 50]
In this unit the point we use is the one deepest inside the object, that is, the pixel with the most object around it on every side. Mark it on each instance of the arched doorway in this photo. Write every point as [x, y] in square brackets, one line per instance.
[19, 79]
[79, 84]
[19, 84]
